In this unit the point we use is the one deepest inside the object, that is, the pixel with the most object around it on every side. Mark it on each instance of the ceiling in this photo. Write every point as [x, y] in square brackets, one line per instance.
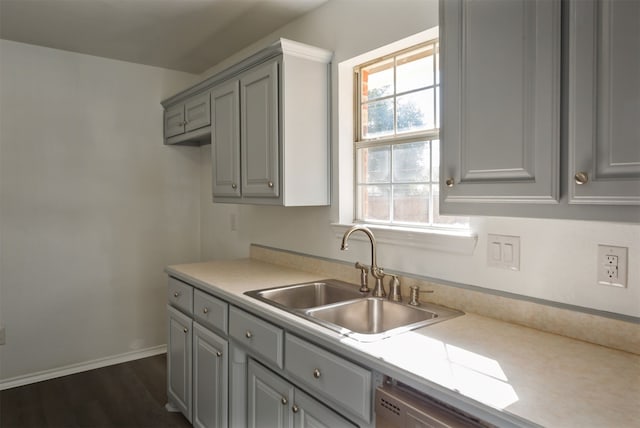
[186, 35]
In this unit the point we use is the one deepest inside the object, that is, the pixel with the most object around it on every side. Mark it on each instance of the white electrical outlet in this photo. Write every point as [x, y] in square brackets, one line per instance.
[612, 265]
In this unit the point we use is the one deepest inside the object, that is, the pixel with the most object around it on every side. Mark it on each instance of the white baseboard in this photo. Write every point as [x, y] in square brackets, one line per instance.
[81, 367]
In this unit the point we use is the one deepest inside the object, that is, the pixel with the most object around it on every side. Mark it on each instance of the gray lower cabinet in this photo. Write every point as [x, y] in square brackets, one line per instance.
[179, 351]
[227, 366]
[604, 102]
[197, 356]
[501, 102]
[210, 379]
[274, 402]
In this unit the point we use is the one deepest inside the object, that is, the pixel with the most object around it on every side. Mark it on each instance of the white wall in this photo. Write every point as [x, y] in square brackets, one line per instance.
[93, 207]
[558, 257]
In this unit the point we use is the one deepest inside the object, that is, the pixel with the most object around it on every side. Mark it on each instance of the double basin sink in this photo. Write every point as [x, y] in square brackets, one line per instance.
[341, 307]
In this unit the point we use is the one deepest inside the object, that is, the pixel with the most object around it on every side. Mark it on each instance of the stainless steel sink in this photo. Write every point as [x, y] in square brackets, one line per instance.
[341, 307]
[371, 315]
[309, 295]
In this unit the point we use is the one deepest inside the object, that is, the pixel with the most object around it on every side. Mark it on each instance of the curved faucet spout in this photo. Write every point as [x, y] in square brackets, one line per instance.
[375, 270]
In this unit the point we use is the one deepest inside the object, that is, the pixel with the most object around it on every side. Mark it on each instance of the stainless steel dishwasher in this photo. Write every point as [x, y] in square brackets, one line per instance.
[399, 406]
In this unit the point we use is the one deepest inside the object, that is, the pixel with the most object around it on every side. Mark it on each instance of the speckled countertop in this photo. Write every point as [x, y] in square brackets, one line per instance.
[524, 375]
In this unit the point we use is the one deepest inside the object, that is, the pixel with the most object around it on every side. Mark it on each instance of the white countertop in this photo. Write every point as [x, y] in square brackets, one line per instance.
[520, 372]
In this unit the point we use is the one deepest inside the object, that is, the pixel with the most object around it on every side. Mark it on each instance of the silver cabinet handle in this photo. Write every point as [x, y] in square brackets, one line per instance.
[234, 186]
[284, 401]
[176, 294]
[248, 334]
[581, 177]
[295, 408]
[270, 184]
[186, 330]
[218, 354]
[205, 310]
[450, 182]
[316, 373]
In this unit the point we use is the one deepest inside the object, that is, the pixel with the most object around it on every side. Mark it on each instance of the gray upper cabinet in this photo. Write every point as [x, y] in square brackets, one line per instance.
[604, 102]
[267, 118]
[174, 121]
[259, 131]
[225, 139]
[500, 68]
[187, 120]
[271, 137]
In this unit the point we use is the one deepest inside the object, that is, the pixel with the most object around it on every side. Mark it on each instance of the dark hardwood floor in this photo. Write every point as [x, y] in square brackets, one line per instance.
[127, 395]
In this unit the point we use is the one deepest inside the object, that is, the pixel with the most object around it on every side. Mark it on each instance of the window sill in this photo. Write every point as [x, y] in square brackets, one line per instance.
[448, 241]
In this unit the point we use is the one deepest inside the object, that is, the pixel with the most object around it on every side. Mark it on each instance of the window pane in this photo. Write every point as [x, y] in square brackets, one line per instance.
[437, 63]
[376, 80]
[437, 107]
[373, 165]
[415, 70]
[411, 162]
[411, 203]
[377, 119]
[415, 111]
[445, 220]
[435, 162]
[374, 203]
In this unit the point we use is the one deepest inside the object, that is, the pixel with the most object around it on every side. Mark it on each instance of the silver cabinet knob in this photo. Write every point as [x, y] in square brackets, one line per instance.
[186, 330]
[316, 373]
[581, 177]
[205, 310]
[284, 400]
[218, 354]
[248, 334]
[295, 408]
[176, 294]
[449, 182]
[234, 186]
[270, 184]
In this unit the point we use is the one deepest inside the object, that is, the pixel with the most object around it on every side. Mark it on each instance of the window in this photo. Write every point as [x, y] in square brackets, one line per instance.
[397, 149]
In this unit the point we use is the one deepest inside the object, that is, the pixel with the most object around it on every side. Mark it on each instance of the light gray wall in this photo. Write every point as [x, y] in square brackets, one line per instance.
[558, 257]
[92, 207]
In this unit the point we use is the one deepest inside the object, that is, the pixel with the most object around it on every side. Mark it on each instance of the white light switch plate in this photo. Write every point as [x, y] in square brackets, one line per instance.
[503, 251]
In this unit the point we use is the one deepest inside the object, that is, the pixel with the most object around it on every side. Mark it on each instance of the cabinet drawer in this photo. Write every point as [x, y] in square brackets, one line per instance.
[335, 378]
[180, 295]
[261, 337]
[210, 311]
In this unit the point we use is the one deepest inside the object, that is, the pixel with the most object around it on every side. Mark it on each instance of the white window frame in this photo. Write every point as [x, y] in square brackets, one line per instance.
[461, 241]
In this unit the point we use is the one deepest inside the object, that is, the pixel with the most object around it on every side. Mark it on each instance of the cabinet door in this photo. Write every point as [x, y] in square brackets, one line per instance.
[269, 398]
[179, 361]
[604, 102]
[309, 413]
[225, 139]
[196, 112]
[174, 121]
[210, 379]
[260, 131]
[500, 101]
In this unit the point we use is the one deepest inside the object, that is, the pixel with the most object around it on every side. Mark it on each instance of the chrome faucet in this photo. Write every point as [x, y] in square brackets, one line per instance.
[377, 272]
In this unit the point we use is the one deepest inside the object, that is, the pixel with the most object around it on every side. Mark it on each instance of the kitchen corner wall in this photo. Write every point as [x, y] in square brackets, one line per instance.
[558, 257]
[92, 207]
